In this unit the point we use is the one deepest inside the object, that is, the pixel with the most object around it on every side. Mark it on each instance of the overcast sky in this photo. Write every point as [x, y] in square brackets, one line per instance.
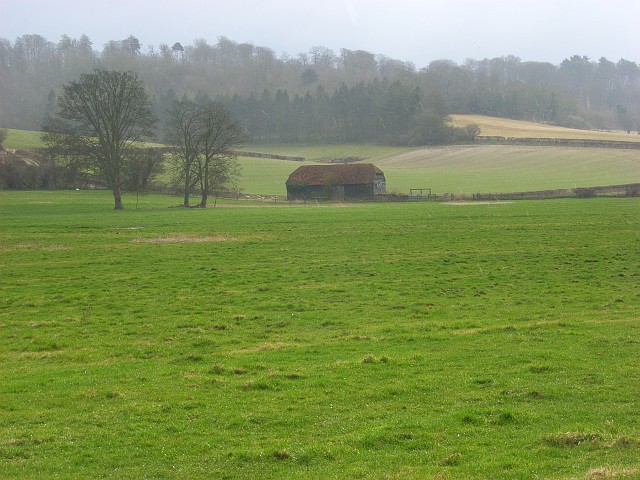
[408, 30]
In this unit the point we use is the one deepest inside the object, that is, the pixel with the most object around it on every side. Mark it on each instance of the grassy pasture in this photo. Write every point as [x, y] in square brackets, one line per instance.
[506, 168]
[23, 139]
[452, 169]
[468, 169]
[332, 341]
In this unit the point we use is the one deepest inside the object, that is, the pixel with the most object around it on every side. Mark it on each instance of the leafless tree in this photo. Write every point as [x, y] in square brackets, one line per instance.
[100, 120]
[206, 136]
[219, 136]
[182, 133]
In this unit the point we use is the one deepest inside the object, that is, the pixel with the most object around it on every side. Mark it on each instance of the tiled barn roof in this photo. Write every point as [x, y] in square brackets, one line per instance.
[351, 174]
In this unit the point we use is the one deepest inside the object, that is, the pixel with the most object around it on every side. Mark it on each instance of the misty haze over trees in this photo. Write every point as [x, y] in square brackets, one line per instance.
[325, 96]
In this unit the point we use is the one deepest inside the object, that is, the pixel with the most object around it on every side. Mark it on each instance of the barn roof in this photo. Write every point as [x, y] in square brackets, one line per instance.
[351, 174]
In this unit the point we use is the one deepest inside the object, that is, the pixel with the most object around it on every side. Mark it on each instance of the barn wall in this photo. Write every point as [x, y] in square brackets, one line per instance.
[334, 192]
[380, 184]
[361, 191]
[306, 192]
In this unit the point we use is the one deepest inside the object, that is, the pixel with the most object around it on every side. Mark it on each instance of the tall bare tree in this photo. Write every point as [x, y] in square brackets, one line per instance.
[219, 135]
[100, 120]
[182, 133]
[206, 136]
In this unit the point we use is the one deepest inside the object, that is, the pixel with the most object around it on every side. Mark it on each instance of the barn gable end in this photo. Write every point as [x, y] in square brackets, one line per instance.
[360, 181]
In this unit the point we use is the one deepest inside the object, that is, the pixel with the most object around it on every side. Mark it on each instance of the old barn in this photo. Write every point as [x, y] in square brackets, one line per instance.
[358, 181]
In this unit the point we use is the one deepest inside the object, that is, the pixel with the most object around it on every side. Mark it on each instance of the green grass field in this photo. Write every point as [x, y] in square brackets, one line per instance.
[469, 169]
[453, 169]
[23, 139]
[415, 340]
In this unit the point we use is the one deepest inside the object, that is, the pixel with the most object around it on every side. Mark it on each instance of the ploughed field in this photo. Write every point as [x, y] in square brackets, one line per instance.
[413, 340]
[507, 127]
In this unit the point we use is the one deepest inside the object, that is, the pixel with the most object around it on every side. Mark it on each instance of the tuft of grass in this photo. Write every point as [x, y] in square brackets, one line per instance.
[540, 368]
[218, 369]
[282, 455]
[452, 460]
[369, 359]
[194, 358]
[505, 418]
[256, 385]
[570, 439]
[536, 395]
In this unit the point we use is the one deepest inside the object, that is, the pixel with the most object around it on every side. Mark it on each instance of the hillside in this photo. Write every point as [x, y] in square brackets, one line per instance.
[450, 169]
[22, 139]
[504, 127]
[324, 97]
[506, 168]
[468, 169]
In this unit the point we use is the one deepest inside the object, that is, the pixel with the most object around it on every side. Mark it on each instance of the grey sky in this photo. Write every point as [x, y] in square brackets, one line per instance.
[409, 30]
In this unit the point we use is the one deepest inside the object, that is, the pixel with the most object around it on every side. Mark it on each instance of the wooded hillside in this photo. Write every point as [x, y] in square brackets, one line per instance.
[322, 96]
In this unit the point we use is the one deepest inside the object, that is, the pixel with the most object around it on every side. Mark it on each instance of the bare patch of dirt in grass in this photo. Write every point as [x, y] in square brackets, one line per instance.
[252, 205]
[273, 346]
[21, 442]
[183, 239]
[467, 331]
[608, 472]
[295, 204]
[478, 203]
[38, 355]
[46, 248]
[267, 347]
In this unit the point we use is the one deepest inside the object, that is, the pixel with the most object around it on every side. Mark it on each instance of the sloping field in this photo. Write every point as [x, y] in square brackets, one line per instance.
[464, 169]
[475, 168]
[23, 139]
[452, 169]
[504, 127]
[507, 168]
[267, 177]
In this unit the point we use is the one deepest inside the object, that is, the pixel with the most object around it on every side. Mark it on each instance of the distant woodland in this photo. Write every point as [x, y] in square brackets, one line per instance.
[323, 96]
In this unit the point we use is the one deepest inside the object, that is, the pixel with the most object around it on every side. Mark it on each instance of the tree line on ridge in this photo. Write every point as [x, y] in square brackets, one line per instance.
[321, 96]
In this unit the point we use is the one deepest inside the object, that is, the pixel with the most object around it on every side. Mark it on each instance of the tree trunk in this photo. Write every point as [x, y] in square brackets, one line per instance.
[187, 187]
[203, 201]
[204, 184]
[117, 196]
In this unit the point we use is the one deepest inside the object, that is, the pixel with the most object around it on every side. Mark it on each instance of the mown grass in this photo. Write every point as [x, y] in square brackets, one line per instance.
[331, 341]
